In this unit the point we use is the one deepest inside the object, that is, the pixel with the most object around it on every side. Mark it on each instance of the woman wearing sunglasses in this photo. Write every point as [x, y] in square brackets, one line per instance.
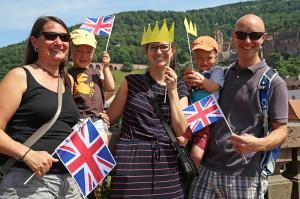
[232, 162]
[28, 100]
[147, 164]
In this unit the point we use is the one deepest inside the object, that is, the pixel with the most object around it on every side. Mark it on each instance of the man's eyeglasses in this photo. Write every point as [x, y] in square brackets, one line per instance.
[162, 48]
[51, 36]
[252, 35]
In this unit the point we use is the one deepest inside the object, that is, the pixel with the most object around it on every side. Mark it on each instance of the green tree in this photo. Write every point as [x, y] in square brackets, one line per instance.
[273, 59]
[124, 45]
[127, 67]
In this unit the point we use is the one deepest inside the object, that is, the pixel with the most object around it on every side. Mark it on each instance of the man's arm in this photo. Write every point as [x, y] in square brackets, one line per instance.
[247, 143]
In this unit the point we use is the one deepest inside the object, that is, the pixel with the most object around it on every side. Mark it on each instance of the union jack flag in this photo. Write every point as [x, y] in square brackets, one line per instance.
[202, 113]
[86, 156]
[101, 26]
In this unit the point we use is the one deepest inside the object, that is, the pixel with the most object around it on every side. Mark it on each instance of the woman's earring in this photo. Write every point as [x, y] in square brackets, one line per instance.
[36, 49]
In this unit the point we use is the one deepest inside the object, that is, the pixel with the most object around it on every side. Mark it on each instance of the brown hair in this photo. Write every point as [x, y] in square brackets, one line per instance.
[31, 55]
[173, 58]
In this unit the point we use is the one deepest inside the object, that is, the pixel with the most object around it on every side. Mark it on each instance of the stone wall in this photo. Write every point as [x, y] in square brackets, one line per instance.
[285, 182]
[283, 42]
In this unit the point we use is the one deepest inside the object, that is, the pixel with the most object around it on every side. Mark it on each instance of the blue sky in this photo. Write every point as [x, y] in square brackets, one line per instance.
[17, 16]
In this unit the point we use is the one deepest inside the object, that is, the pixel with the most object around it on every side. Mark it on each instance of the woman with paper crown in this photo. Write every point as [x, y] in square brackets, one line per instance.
[147, 164]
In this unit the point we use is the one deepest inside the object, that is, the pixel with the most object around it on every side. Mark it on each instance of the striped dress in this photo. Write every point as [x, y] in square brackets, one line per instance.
[147, 163]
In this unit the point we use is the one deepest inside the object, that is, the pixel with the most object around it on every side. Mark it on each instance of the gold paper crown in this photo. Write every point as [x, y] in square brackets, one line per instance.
[190, 28]
[158, 35]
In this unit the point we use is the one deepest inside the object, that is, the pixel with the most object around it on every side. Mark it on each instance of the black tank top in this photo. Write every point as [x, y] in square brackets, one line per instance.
[38, 105]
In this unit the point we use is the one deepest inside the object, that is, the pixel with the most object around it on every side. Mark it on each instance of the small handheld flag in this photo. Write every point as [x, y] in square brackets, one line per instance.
[202, 113]
[86, 156]
[101, 26]
[190, 27]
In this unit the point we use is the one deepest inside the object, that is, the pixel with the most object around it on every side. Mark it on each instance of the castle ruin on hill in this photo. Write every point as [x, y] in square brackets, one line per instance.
[287, 42]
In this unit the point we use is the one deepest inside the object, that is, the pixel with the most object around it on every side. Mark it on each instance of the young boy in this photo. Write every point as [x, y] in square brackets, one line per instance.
[209, 79]
[89, 86]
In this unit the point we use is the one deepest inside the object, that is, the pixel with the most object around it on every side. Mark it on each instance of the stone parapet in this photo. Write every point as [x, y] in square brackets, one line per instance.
[285, 182]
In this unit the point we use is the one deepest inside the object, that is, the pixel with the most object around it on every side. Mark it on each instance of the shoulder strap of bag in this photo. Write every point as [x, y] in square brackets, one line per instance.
[226, 69]
[101, 87]
[184, 157]
[38, 134]
[158, 111]
[269, 158]
[263, 94]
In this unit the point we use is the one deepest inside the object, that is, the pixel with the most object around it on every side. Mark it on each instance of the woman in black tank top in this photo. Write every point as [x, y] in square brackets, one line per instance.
[28, 100]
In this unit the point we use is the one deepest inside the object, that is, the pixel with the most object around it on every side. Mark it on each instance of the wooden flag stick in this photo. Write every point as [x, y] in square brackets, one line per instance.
[227, 123]
[109, 35]
[187, 35]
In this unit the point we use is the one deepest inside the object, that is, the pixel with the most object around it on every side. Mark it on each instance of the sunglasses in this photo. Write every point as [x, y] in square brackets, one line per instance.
[252, 35]
[51, 36]
[162, 48]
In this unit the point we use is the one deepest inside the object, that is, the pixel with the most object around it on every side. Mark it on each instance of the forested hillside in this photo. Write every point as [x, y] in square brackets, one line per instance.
[128, 27]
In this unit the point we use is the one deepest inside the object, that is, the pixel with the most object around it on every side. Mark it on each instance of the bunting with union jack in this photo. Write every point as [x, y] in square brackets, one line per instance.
[101, 26]
[86, 156]
[202, 113]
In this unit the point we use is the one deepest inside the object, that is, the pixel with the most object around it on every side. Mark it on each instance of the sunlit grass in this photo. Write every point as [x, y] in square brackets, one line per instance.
[119, 76]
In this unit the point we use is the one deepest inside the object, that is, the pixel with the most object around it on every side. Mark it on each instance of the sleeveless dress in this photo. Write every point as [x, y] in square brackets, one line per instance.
[147, 163]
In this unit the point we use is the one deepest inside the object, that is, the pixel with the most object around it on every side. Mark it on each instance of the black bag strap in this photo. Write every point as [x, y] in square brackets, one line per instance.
[101, 87]
[158, 111]
[264, 86]
[38, 134]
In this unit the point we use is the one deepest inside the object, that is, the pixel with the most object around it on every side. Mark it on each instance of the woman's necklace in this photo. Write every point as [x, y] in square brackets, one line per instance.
[47, 71]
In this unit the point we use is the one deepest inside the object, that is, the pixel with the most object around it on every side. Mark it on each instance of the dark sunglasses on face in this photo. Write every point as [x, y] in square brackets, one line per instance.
[51, 36]
[252, 35]
[162, 48]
